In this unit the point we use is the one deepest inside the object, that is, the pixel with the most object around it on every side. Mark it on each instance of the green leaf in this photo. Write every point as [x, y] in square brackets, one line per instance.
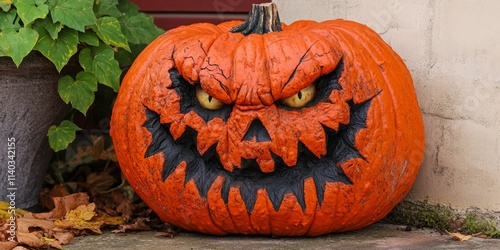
[5, 5]
[106, 68]
[90, 38]
[140, 29]
[9, 20]
[101, 62]
[61, 136]
[109, 30]
[25, 40]
[80, 92]
[53, 28]
[85, 58]
[107, 8]
[29, 10]
[128, 8]
[75, 14]
[60, 50]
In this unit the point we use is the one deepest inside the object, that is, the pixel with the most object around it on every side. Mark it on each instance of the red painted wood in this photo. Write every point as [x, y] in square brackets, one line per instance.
[173, 13]
[168, 21]
[218, 6]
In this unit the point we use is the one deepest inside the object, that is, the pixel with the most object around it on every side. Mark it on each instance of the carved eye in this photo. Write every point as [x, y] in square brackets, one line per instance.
[301, 98]
[207, 101]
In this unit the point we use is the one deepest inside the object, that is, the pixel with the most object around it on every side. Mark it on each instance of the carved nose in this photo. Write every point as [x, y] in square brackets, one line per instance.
[257, 131]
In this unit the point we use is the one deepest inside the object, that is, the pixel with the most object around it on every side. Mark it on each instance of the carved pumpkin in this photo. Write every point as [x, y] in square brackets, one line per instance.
[307, 130]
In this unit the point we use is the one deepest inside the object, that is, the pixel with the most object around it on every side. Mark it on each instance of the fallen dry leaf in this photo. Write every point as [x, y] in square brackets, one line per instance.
[36, 233]
[109, 211]
[33, 239]
[40, 216]
[459, 236]
[64, 237]
[83, 212]
[80, 218]
[481, 235]
[85, 217]
[26, 225]
[46, 196]
[83, 155]
[8, 245]
[138, 225]
[97, 146]
[109, 154]
[20, 248]
[110, 220]
[170, 233]
[4, 232]
[100, 182]
[6, 211]
[125, 206]
[67, 203]
[54, 244]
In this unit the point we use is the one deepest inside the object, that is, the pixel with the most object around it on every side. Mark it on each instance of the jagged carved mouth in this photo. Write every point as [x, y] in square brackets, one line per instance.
[205, 168]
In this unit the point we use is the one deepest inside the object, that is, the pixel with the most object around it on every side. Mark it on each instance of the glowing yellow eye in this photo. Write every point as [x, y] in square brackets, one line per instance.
[207, 101]
[303, 97]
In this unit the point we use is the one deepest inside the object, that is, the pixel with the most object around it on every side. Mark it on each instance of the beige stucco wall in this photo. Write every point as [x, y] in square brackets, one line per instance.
[452, 48]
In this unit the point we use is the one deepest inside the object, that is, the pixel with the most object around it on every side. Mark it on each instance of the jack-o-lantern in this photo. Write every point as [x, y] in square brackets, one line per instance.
[263, 128]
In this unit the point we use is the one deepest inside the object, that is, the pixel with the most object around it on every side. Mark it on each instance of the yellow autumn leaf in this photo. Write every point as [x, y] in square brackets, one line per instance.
[85, 217]
[459, 236]
[6, 211]
[5, 1]
[110, 221]
[46, 240]
[82, 212]
[80, 218]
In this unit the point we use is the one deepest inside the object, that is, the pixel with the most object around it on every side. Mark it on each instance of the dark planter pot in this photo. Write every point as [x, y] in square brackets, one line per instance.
[30, 105]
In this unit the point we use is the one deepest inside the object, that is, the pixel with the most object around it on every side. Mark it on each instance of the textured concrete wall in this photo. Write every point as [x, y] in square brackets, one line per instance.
[452, 48]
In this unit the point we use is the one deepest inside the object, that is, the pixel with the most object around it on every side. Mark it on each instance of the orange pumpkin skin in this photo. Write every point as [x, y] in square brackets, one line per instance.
[249, 184]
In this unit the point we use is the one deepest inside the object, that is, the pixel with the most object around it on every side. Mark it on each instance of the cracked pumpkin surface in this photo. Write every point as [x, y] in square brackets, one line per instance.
[255, 163]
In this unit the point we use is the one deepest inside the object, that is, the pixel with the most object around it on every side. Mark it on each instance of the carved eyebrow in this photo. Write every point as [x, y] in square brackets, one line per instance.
[298, 64]
[325, 84]
[218, 72]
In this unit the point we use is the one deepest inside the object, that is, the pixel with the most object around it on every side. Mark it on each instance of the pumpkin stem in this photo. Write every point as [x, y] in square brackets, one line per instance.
[262, 19]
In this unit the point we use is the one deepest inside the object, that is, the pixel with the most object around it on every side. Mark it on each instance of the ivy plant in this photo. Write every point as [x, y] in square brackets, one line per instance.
[102, 34]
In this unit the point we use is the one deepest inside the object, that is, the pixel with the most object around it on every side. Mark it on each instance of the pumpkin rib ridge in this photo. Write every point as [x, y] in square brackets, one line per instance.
[396, 103]
[344, 40]
[334, 226]
[131, 89]
[228, 25]
[266, 199]
[233, 226]
[314, 211]
[348, 37]
[235, 55]
[212, 219]
[266, 53]
[396, 57]
[231, 50]
[252, 224]
[142, 87]
[181, 63]
[236, 211]
[302, 25]
[320, 40]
